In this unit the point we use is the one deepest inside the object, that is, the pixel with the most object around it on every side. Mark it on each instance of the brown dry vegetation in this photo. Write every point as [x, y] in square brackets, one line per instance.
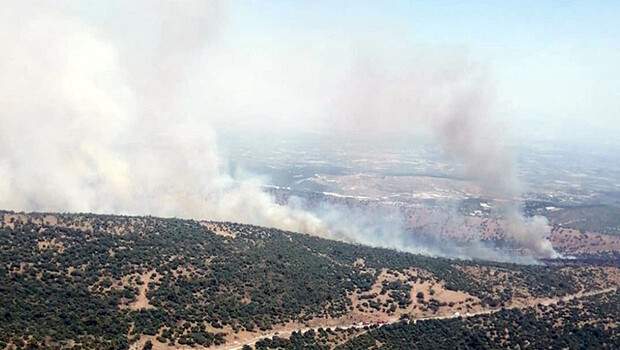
[427, 296]
[218, 229]
[574, 241]
[412, 289]
[142, 301]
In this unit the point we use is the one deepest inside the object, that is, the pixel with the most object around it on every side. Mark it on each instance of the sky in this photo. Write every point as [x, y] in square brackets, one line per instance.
[554, 64]
[550, 66]
[116, 106]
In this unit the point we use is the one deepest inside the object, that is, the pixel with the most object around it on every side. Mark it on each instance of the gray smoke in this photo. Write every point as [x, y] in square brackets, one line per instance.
[385, 227]
[453, 99]
[98, 116]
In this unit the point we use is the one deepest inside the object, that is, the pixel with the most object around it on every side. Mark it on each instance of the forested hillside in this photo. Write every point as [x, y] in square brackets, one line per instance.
[87, 281]
[590, 323]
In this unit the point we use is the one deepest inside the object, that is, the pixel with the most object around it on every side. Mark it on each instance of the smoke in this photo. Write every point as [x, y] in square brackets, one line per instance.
[88, 128]
[530, 233]
[117, 116]
[385, 227]
[454, 98]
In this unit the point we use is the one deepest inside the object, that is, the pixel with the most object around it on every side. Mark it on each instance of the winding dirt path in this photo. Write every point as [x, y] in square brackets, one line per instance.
[287, 333]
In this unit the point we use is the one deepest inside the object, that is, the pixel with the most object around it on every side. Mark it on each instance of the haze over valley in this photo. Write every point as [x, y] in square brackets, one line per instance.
[309, 175]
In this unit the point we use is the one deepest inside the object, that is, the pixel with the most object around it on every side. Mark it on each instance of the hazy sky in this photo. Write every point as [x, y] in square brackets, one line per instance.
[115, 106]
[552, 65]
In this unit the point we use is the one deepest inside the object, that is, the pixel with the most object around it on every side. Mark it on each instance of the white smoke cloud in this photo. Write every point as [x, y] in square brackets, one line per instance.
[97, 121]
[454, 99]
[82, 133]
[64, 105]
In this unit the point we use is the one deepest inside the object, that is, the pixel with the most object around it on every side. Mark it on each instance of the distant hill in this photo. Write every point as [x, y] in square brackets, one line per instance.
[86, 281]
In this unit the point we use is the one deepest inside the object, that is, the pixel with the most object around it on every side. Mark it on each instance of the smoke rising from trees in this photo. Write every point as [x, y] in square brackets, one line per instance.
[95, 119]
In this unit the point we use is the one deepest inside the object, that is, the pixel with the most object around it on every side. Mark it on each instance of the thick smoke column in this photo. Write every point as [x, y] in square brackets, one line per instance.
[96, 118]
[452, 98]
[92, 125]
[468, 133]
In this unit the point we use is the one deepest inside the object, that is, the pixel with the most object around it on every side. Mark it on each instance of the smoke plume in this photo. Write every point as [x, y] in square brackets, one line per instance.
[87, 128]
[452, 98]
[101, 117]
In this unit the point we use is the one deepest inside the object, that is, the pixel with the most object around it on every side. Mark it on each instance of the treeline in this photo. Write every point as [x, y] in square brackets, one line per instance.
[75, 281]
[591, 324]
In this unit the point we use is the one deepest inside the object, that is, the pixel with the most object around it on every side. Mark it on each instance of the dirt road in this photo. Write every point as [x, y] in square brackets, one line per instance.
[287, 333]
